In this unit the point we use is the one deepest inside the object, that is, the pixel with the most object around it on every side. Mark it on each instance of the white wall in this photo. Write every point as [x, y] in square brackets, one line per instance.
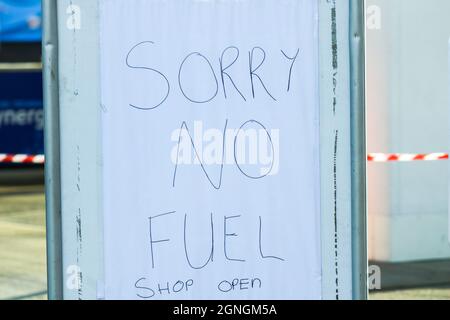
[407, 104]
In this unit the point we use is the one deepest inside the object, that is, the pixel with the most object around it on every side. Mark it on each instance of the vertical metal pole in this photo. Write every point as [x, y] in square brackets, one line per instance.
[52, 150]
[358, 150]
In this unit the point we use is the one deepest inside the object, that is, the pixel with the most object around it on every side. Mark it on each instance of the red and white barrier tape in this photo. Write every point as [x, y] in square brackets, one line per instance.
[22, 158]
[405, 157]
[372, 157]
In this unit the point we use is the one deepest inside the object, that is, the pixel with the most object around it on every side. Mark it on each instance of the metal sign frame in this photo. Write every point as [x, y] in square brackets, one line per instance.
[74, 160]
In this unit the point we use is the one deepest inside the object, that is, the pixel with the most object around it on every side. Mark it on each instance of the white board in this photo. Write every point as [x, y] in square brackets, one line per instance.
[210, 146]
[289, 217]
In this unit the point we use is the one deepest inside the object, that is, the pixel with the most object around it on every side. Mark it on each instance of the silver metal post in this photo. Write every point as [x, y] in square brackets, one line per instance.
[52, 158]
[358, 149]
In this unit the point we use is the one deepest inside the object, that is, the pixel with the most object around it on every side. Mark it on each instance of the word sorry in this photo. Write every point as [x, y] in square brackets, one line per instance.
[206, 89]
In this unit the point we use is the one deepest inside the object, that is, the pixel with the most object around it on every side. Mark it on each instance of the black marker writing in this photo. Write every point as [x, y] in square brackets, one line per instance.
[292, 65]
[260, 244]
[150, 292]
[236, 147]
[211, 256]
[166, 94]
[185, 127]
[224, 69]
[253, 70]
[152, 242]
[227, 235]
[180, 82]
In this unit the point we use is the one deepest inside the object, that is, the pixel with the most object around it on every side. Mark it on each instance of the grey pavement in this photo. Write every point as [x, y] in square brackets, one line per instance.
[431, 293]
[22, 242]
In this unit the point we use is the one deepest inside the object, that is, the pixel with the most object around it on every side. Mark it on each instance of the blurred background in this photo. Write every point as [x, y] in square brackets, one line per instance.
[22, 209]
[407, 114]
[407, 76]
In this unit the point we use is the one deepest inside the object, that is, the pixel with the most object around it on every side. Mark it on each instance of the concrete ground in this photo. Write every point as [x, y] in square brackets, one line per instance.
[22, 236]
[22, 241]
[23, 257]
[426, 280]
[432, 293]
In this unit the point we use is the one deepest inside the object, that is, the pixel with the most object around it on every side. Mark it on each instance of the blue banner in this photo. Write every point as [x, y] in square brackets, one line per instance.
[20, 20]
[21, 113]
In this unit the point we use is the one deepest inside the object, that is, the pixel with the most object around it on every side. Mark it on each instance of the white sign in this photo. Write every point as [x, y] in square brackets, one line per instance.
[211, 149]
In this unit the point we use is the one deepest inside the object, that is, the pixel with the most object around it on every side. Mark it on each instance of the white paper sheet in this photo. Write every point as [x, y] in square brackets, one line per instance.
[244, 221]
